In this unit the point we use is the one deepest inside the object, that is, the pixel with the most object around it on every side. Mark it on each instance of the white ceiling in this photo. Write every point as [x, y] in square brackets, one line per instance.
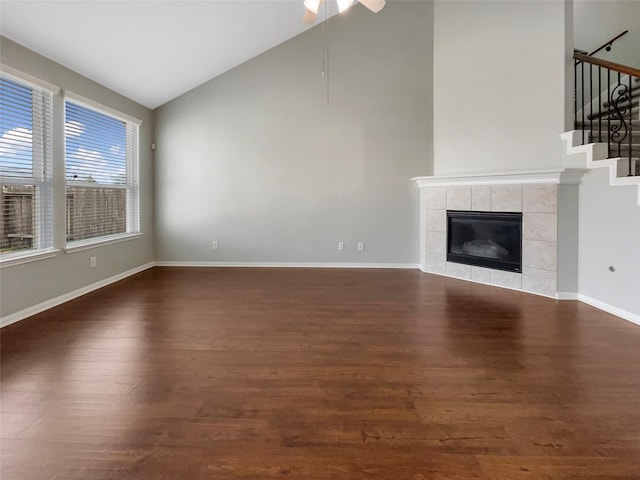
[151, 51]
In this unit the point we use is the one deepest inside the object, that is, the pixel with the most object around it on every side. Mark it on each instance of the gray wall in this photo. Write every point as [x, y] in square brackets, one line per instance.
[278, 167]
[499, 85]
[29, 284]
[609, 235]
[609, 231]
[597, 21]
[568, 238]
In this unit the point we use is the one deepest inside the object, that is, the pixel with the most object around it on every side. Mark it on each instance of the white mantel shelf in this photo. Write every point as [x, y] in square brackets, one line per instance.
[523, 177]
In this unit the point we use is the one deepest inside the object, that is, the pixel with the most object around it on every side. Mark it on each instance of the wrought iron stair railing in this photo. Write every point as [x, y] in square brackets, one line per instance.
[607, 107]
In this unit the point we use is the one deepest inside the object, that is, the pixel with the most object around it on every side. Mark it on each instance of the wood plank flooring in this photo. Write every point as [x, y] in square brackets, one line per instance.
[318, 374]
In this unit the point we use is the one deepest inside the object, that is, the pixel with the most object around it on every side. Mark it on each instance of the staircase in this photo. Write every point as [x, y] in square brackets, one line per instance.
[602, 125]
[607, 120]
[607, 111]
[631, 152]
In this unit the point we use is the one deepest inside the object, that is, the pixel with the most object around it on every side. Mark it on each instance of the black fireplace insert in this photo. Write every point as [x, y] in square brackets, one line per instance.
[485, 239]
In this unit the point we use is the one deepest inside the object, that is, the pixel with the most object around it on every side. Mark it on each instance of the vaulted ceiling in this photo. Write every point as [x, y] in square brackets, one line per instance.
[151, 51]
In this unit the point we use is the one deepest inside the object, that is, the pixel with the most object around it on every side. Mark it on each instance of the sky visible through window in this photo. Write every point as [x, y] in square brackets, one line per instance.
[95, 146]
[16, 125]
[95, 143]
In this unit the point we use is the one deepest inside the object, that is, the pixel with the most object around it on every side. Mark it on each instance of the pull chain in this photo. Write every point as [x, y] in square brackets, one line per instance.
[325, 51]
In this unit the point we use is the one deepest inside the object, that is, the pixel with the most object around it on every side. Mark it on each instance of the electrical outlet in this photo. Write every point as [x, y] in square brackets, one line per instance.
[340, 245]
[214, 245]
[92, 262]
[361, 246]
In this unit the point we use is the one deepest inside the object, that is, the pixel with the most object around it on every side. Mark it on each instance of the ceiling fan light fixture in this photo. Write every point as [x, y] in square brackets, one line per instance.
[309, 17]
[374, 5]
[344, 5]
[312, 5]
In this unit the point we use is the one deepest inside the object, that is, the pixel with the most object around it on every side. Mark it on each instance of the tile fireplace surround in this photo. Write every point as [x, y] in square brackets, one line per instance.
[548, 200]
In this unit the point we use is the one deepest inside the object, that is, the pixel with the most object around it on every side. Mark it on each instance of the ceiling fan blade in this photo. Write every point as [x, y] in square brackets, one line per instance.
[343, 5]
[309, 17]
[374, 5]
[312, 5]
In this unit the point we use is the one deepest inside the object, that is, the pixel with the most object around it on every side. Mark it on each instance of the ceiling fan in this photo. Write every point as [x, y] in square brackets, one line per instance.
[311, 14]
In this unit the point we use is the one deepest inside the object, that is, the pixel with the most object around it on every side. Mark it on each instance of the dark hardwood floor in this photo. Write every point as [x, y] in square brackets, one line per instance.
[318, 374]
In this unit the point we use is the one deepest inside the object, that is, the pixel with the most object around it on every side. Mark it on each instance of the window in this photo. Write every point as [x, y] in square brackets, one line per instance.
[101, 169]
[26, 195]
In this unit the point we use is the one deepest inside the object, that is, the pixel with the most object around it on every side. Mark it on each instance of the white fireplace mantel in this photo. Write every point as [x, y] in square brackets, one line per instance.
[524, 177]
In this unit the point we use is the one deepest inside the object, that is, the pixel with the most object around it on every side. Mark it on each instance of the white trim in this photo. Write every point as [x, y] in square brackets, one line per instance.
[286, 265]
[561, 296]
[551, 297]
[19, 258]
[618, 312]
[567, 296]
[625, 181]
[423, 231]
[99, 242]
[594, 155]
[30, 80]
[112, 112]
[54, 302]
[525, 177]
[47, 304]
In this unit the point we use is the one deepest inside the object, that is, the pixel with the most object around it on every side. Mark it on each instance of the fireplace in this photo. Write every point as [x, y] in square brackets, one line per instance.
[535, 266]
[485, 239]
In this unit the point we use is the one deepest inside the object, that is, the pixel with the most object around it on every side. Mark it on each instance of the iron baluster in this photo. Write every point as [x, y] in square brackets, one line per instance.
[608, 108]
[618, 105]
[582, 103]
[630, 135]
[599, 104]
[619, 97]
[575, 95]
[590, 102]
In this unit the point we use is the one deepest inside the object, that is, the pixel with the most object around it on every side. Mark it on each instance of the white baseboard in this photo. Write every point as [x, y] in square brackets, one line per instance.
[567, 296]
[41, 307]
[54, 302]
[618, 312]
[285, 265]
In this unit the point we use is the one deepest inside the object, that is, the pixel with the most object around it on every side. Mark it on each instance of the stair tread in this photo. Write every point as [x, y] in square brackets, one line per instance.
[605, 133]
[635, 93]
[587, 124]
[635, 139]
[635, 107]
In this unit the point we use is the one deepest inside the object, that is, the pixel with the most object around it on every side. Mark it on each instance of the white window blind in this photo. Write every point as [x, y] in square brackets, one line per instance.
[26, 190]
[101, 167]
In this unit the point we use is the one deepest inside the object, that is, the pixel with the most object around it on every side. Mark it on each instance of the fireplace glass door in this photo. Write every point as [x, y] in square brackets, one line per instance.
[485, 239]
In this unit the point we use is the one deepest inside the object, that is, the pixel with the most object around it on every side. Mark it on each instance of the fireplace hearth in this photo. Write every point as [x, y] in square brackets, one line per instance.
[485, 239]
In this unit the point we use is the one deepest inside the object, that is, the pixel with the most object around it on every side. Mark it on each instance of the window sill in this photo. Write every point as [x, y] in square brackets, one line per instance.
[12, 259]
[99, 242]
